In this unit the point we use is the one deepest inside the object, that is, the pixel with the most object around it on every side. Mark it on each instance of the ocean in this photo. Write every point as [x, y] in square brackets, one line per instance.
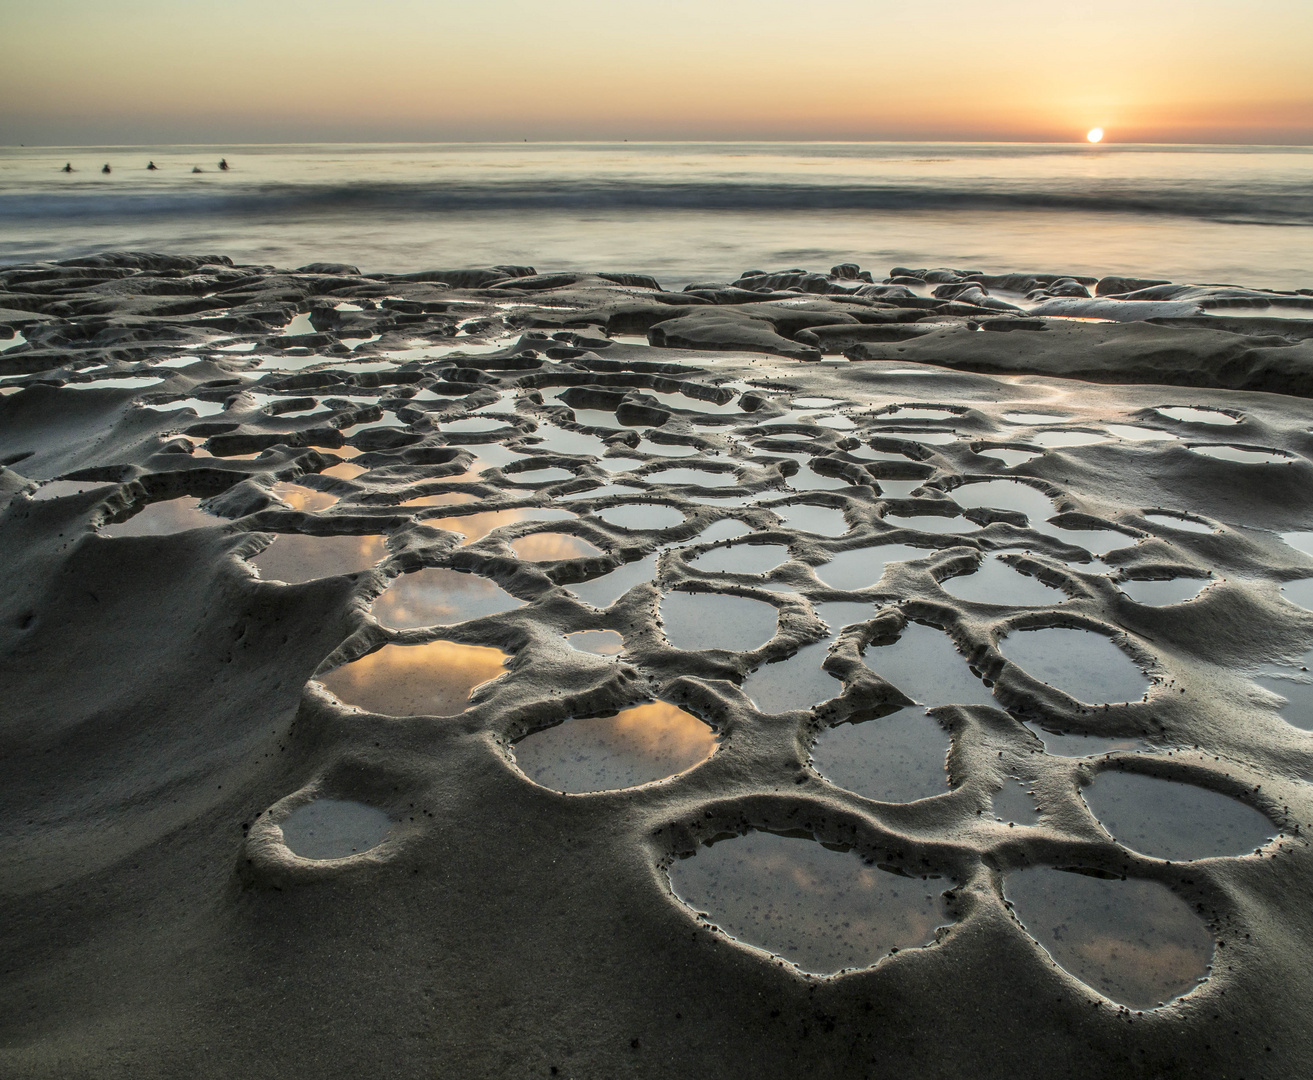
[681, 211]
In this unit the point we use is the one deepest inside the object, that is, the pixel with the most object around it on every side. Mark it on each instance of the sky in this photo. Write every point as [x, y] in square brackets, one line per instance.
[116, 72]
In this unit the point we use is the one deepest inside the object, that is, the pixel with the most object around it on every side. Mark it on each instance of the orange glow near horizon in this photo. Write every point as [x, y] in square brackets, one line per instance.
[155, 71]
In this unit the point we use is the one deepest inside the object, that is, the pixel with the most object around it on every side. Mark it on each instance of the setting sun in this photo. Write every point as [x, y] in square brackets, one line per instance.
[1094, 135]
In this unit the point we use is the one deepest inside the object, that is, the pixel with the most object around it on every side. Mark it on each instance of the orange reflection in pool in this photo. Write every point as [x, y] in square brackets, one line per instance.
[416, 680]
[305, 499]
[477, 526]
[548, 546]
[602, 753]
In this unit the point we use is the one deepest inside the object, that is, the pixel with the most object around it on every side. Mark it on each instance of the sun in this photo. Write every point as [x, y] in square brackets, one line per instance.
[1094, 135]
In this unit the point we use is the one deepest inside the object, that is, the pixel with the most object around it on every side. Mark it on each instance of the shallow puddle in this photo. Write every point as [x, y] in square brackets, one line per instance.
[1300, 541]
[445, 498]
[724, 529]
[344, 470]
[550, 546]
[334, 829]
[557, 440]
[1073, 745]
[165, 517]
[1055, 439]
[1243, 456]
[931, 438]
[597, 642]
[602, 592]
[1009, 456]
[931, 523]
[57, 489]
[799, 682]
[809, 518]
[917, 412]
[821, 909]
[477, 525]
[1135, 433]
[304, 499]
[693, 477]
[999, 582]
[1191, 415]
[716, 621]
[1176, 521]
[740, 558]
[862, 568]
[898, 489]
[896, 758]
[1033, 418]
[440, 597]
[1014, 804]
[606, 753]
[1161, 592]
[1299, 593]
[1011, 495]
[416, 680]
[1081, 663]
[475, 425]
[1166, 819]
[1098, 542]
[1135, 942]
[675, 450]
[539, 476]
[1297, 688]
[926, 666]
[294, 557]
[807, 479]
[642, 516]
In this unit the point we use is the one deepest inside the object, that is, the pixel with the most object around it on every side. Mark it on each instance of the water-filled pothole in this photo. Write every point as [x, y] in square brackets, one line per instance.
[642, 516]
[435, 679]
[1135, 942]
[1160, 592]
[1165, 819]
[820, 520]
[693, 477]
[1014, 804]
[304, 499]
[1243, 456]
[926, 666]
[1012, 495]
[602, 592]
[1178, 521]
[799, 682]
[861, 568]
[1296, 688]
[557, 440]
[1098, 542]
[294, 557]
[999, 582]
[1033, 418]
[896, 758]
[1057, 439]
[741, 559]
[163, 518]
[550, 546]
[605, 753]
[1065, 744]
[822, 909]
[1138, 433]
[1299, 593]
[1010, 456]
[1081, 663]
[716, 621]
[724, 529]
[57, 489]
[476, 526]
[597, 642]
[1194, 415]
[334, 829]
[438, 597]
[931, 523]
[545, 475]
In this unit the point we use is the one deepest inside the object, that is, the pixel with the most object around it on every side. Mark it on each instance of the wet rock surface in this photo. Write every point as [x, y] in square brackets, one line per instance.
[429, 662]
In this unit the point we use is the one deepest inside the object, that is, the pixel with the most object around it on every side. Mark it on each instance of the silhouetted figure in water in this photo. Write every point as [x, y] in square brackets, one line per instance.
[150, 166]
[223, 164]
[197, 168]
[105, 168]
[67, 168]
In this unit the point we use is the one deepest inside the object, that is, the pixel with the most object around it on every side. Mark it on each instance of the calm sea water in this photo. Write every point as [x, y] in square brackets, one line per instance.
[682, 211]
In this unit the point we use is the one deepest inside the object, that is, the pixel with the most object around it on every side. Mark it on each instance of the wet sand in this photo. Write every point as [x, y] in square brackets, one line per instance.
[483, 672]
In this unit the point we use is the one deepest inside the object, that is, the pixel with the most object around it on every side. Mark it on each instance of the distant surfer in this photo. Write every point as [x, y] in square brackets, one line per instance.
[196, 168]
[150, 166]
[104, 168]
[223, 164]
[67, 168]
